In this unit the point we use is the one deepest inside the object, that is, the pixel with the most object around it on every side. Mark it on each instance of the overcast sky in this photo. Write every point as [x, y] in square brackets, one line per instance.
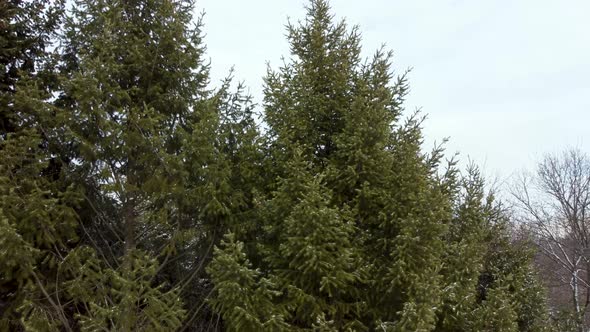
[506, 81]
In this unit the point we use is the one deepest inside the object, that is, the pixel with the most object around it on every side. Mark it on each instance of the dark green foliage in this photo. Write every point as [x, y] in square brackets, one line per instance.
[164, 164]
[310, 275]
[37, 213]
[242, 295]
[133, 301]
[359, 206]
[490, 283]
[169, 162]
[345, 115]
[26, 32]
[133, 197]
[134, 91]
[309, 250]
[38, 222]
[508, 274]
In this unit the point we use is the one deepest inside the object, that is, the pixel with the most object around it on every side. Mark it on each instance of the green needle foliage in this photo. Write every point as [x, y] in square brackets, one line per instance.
[37, 209]
[166, 162]
[310, 250]
[132, 167]
[508, 285]
[27, 29]
[134, 197]
[243, 296]
[362, 246]
[362, 230]
[481, 256]
[37, 227]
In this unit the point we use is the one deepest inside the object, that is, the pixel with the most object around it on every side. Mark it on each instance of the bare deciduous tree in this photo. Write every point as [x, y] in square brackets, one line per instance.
[554, 205]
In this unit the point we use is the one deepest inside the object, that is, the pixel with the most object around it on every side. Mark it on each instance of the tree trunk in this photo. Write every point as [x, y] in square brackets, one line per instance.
[130, 221]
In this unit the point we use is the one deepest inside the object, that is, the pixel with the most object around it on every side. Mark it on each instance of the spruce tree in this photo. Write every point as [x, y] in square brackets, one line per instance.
[308, 260]
[489, 280]
[464, 252]
[347, 162]
[38, 224]
[310, 250]
[160, 156]
[27, 30]
[138, 86]
[38, 227]
[222, 164]
[243, 295]
[508, 281]
[342, 118]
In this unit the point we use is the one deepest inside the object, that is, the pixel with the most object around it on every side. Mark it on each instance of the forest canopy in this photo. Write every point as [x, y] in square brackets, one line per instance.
[136, 196]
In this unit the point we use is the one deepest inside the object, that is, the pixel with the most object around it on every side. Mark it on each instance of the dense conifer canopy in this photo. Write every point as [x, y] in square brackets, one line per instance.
[134, 196]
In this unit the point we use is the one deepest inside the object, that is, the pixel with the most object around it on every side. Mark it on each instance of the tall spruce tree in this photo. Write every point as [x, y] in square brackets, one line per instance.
[343, 115]
[310, 265]
[464, 252]
[161, 159]
[422, 235]
[38, 224]
[508, 285]
[372, 161]
[137, 87]
[489, 281]
[310, 250]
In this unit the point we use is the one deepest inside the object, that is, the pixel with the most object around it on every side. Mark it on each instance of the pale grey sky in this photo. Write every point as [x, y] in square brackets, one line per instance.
[506, 81]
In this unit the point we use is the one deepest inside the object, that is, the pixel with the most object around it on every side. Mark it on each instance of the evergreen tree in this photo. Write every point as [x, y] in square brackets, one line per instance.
[344, 118]
[305, 101]
[508, 281]
[137, 88]
[37, 208]
[120, 299]
[496, 312]
[161, 159]
[133, 90]
[489, 281]
[308, 259]
[134, 197]
[310, 250]
[243, 295]
[222, 163]
[26, 32]
[422, 236]
[464, 252]
[37, 227]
